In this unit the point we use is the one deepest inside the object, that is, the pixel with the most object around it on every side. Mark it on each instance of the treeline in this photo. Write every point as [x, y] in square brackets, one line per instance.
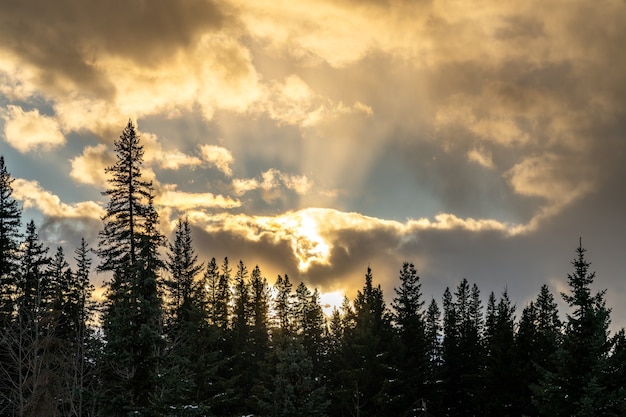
[177, 337]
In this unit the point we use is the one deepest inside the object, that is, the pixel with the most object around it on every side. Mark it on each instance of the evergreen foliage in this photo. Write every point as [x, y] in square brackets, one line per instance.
[412, 356]
[576, 386]
[128, 248]
[10, 222]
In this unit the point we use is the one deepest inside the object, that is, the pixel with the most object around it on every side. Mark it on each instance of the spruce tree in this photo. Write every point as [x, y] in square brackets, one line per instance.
[10, 222]
[537, 340]
[576, 387]
[367, 346]
[502, 389]
[615, 377]
[241, 305]
[462, 350]
[525, 352]
[245, 366]
[210, 281]
[84, 349]
[35, 289]
[283, 306]
[33, 352]
[183, 267]
[191, 362]
[259, 313]
[314, 330]
[293, 390]
[128, 248]
[412, 355]
[432, 335]
[222, 308]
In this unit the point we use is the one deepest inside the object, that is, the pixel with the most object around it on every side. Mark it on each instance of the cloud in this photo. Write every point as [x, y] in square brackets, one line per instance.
[30, 130]
[176, 159]
[481, 157]
[33, 195]
[100, 63]
[314, 233]
[89, 167]
[221, 157]
[155, 154]
[67, 39]
[242, 186]
[170, 197]
[293, 102]
[271, 182]
[552, 178]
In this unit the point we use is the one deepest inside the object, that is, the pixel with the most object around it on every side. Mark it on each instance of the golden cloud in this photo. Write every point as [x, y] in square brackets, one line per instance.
[185, 201]
[89, 167]
[481, 157]
[33, 195]
[30, 130]
[314, 233]
[271, 181]
[221, 157]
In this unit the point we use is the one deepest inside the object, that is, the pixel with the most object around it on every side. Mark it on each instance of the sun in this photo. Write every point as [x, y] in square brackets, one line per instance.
[309, 245]
[330, 300]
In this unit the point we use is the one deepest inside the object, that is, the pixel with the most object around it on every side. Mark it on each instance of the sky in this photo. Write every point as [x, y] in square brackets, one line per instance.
[477, 140]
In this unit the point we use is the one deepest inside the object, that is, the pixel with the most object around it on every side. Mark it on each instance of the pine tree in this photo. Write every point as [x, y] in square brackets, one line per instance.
[181, 318]
[182, 264]
[576, 387]
[314, 330]
[241, 307]
[67, 352]
[32, 352]
[222, 306]
[502, 389]
[462, 350]
[35, 289]
[367, 347]
[615, 376]
[525, 353]
[451, 357]
[537, 340]
[259, 313]
[293, 389]
[210, 281]
[245, 366]
[432, 335]
[412, 355]
[10, 222]
[283, 305]
[128, 248]
[83, 349]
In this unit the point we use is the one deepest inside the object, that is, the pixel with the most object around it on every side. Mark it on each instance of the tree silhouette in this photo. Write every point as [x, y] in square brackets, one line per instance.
[128, 248]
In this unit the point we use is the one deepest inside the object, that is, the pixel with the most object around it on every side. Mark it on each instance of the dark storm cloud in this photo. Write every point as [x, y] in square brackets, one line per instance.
[272, 257]
[65, 38]
[68, 233]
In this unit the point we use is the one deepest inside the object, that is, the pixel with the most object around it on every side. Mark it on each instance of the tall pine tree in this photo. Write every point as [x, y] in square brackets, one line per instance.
[412, 355]
[576, 387]
[10, 222]
[128, 247]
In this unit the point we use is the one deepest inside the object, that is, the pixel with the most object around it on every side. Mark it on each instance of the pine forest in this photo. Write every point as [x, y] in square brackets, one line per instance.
[175, 335]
